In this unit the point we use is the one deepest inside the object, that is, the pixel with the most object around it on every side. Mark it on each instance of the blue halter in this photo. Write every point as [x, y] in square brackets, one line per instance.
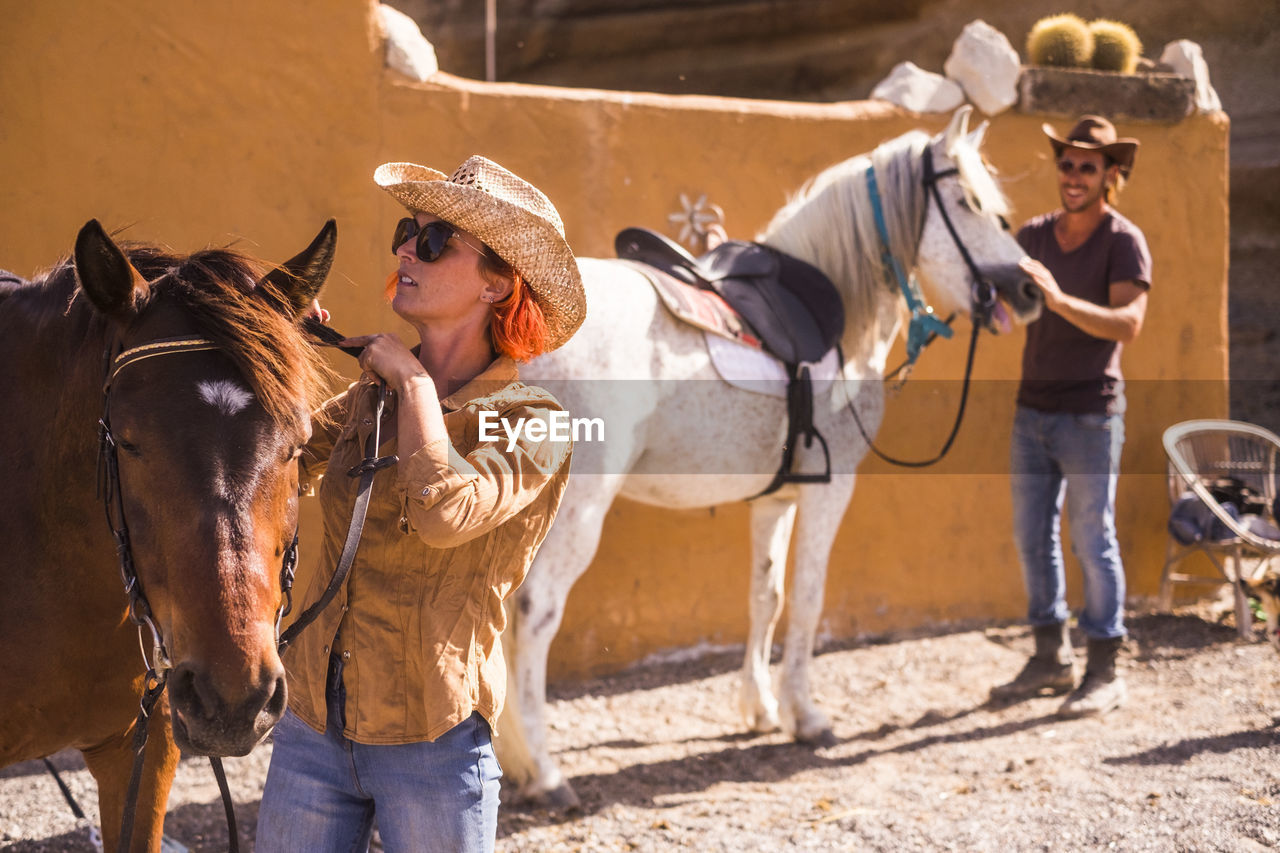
[925, 324]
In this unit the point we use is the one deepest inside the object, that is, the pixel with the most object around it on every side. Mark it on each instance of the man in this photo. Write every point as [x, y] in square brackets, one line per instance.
[1093, 267]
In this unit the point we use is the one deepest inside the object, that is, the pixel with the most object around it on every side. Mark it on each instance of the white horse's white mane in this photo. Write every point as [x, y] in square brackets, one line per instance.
[829, 221]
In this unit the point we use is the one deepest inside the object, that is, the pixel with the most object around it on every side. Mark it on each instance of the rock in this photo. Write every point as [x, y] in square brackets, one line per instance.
[918, 90]
[408, 51]
[1187, 60]
[1076, 91]
[986, 66]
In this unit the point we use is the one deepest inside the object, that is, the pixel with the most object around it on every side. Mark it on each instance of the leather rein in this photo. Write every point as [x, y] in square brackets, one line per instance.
[159, 663]
[925, 326]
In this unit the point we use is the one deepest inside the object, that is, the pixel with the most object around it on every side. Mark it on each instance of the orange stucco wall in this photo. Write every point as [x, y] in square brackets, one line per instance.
[253, 122]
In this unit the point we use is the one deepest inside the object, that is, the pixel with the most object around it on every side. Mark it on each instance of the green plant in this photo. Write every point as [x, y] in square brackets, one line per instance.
[1060, 40]
[1116, 46]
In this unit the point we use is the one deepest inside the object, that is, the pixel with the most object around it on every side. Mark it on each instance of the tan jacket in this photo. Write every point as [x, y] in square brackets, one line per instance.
[450, 533]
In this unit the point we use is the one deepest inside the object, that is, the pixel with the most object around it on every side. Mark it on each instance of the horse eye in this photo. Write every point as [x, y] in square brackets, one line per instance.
[128, 447]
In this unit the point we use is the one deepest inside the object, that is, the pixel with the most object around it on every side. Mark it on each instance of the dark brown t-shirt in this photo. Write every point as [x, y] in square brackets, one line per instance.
[1065, 369]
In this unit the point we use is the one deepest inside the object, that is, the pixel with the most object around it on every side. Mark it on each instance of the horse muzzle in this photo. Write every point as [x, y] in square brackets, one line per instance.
[207, 721]
[1015, 298]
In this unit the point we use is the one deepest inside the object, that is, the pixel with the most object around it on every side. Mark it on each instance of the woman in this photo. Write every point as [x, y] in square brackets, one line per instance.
[393, 690]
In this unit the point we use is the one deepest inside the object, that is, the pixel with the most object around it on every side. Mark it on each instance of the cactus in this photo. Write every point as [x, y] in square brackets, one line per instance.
[1115, 46]
[1060, 40]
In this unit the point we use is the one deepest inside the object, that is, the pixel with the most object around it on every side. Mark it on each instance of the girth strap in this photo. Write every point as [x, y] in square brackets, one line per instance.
[799, 424]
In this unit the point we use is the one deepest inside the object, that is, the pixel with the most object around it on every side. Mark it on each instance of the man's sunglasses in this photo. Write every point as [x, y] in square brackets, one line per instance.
[432, 238]
[1066, 167]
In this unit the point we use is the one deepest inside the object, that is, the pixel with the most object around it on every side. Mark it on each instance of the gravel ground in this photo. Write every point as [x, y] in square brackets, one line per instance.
[657, 755]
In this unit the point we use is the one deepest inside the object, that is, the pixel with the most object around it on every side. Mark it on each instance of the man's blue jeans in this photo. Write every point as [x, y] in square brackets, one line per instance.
[1076, 456]
[322, 790]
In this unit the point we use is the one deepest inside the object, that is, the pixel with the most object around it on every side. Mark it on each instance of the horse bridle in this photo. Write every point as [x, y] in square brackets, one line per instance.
[925, 327]
[111, 492]
[139, 609]
[982, 296]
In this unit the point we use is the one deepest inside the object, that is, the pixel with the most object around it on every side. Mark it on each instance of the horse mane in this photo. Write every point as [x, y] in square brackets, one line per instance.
[830, 223]
[219, 289]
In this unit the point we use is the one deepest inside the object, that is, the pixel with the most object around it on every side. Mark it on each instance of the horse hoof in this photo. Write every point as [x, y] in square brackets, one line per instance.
[823, 738]
[764, 725]
[558, 799]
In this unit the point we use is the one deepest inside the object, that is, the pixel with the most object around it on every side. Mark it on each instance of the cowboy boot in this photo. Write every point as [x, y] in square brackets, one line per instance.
[1102, 690]
[1052, 668]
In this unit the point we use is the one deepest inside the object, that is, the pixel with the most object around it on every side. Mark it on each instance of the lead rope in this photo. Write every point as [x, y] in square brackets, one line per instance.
[95, 836]
[955, 427]
[150, 696]
[365, 470]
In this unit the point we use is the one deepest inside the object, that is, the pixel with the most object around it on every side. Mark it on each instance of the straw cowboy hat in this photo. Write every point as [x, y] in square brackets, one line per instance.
[1095, 133]
[512, 217]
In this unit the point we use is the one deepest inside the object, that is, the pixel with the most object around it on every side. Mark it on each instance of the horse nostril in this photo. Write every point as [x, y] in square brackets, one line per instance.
[188, 694]
[278, 699]
[1030, 291]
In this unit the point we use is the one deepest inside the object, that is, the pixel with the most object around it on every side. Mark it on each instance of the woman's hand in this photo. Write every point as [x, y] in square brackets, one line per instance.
[316, 311]
[386, 357]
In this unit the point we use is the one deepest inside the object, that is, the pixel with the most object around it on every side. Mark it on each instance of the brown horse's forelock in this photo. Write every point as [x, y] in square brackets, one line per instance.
[254, 327]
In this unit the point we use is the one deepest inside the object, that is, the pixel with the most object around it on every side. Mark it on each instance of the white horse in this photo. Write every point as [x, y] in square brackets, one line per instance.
[686, 444]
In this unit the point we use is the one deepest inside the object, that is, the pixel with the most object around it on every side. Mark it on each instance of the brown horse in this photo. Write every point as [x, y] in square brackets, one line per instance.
[206, 434]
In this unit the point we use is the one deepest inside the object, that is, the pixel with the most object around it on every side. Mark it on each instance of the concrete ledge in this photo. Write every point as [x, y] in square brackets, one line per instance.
[1074, 91]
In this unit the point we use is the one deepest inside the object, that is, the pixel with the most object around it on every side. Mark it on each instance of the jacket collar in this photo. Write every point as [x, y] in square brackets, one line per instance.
[502, 371]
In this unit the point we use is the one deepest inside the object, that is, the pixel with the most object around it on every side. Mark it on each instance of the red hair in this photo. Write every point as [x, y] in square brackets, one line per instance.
[519, 328]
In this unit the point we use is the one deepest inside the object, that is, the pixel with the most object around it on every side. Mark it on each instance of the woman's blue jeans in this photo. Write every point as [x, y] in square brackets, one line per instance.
[322, 790]
[1077, 457]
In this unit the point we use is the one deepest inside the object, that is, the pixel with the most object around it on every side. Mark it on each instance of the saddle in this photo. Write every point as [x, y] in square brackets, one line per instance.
[790, 305]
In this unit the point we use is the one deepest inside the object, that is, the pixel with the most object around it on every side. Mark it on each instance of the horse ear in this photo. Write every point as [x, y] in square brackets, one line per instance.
[975, 138]
[300, 278]
[105, 274]
[958, 127]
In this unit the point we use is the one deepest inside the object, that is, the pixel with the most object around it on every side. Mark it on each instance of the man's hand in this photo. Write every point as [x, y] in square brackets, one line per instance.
[1044, 280]
[1121, 320]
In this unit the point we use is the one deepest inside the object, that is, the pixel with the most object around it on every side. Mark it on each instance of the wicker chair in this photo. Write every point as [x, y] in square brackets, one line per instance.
[1203, 453]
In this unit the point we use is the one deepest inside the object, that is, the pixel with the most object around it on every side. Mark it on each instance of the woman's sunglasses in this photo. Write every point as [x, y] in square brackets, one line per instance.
[432, 238]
